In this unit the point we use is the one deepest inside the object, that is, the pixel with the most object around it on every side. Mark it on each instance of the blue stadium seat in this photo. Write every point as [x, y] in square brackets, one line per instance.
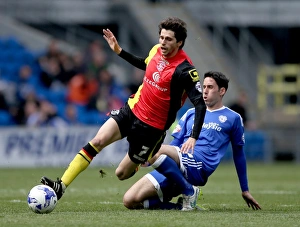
[4, 55]
[27, 57]
[12, 43]
[1, 44]
[9, 71]
[5, 118]
[94, 117]
[255, 147]
[57, 96]
[61, 106]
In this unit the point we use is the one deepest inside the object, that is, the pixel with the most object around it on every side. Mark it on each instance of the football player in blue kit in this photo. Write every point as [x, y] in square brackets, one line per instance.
[177, 172]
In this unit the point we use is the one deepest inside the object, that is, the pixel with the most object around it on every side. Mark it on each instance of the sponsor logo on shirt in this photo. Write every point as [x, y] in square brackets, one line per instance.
[156, 79]
[212, 125]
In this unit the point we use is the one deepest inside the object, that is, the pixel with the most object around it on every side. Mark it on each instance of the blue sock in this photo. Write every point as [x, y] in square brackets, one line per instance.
[168, 167]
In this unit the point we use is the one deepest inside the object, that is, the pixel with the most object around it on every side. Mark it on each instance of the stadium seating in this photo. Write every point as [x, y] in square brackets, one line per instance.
[13, 56]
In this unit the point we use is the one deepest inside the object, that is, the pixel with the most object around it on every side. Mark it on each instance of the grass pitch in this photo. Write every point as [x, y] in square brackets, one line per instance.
[95, 201]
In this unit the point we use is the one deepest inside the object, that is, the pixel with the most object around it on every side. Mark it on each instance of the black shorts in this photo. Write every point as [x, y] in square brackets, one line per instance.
[144, 140]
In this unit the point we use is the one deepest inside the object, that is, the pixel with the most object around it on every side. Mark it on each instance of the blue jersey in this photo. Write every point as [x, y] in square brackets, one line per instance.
[220, 127]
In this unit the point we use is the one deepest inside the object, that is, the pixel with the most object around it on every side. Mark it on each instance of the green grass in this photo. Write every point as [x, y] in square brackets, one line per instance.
[95, 201]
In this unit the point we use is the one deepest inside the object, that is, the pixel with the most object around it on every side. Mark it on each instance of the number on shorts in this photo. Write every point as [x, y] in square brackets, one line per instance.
[144, 151]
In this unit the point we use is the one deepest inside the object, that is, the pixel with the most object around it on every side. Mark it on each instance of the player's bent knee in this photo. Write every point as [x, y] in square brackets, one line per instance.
[126, 169]
[131, 202]
[120, 173]
[123, 174]
[98, 143]
[127, 203]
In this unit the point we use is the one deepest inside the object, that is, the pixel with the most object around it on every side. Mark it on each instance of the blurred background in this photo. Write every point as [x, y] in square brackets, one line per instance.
[58, 77]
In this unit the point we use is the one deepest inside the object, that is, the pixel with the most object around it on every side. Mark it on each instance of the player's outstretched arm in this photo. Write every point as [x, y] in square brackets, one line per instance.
[112, 41]
[250, 200]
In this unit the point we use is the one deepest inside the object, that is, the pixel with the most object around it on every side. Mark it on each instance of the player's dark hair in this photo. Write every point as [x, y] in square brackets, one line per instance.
[176, 25]
[220, 78]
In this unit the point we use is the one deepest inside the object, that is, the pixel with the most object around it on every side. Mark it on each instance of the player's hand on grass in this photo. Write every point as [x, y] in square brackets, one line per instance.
[250, 200]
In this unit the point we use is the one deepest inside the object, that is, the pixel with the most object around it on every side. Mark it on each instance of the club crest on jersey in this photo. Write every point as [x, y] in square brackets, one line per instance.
[161, 65]
[222, 118]
[194, 75]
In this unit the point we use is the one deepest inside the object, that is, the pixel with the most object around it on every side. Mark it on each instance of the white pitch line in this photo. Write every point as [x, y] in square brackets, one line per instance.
[267, 192]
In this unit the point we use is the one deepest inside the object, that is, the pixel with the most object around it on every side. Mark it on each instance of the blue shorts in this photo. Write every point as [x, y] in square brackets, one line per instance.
[192, 170]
